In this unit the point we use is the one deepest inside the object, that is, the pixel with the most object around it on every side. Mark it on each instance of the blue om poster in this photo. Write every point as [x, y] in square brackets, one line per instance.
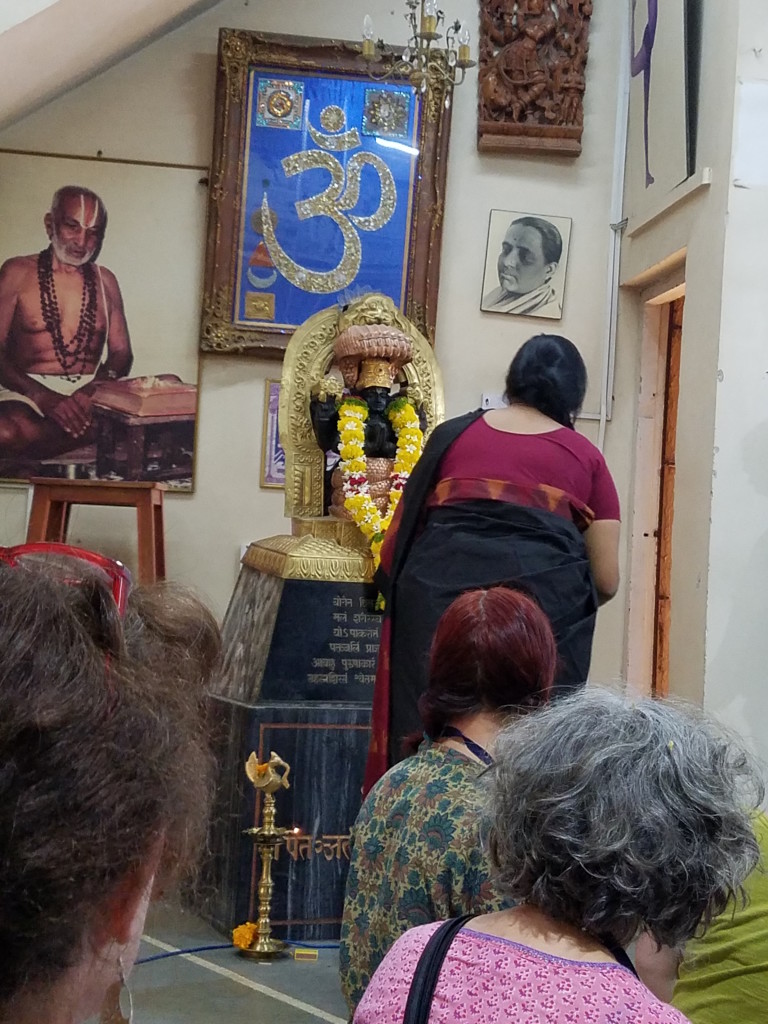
[329, 174]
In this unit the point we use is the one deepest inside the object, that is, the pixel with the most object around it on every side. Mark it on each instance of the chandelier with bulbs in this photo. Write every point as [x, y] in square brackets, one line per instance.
[427, 67]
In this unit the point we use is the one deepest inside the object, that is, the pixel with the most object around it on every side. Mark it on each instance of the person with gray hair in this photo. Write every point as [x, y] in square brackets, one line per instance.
[605, 818]
[722, 974]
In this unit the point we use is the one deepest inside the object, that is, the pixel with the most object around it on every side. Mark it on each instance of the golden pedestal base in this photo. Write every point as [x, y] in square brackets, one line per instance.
[321, 549]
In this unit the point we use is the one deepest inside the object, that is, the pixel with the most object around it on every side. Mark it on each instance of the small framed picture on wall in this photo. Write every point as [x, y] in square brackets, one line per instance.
[272, 454]
[525, 264]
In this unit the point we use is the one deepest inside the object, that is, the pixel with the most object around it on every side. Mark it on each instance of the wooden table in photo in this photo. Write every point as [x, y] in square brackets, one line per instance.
[137, 433]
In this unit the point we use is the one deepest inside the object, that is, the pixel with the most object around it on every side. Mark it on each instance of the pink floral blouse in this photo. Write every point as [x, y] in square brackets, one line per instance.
[495, 981]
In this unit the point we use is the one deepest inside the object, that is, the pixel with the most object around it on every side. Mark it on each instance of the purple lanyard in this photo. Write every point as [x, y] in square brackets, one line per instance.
[480, 752]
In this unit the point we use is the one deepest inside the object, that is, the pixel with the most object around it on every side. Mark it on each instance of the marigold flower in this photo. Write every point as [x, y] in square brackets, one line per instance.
[243, 935]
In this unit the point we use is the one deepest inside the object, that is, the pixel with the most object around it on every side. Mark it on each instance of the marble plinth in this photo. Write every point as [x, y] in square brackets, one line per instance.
[326, 745]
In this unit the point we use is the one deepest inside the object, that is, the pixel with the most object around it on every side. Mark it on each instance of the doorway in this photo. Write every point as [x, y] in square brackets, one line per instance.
[653, 515]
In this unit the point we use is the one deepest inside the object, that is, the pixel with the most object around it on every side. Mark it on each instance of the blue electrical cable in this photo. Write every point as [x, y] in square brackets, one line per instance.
[181, 952]
[312, 945]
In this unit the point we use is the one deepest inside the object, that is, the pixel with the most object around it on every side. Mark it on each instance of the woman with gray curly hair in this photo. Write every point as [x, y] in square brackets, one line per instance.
[605, 818]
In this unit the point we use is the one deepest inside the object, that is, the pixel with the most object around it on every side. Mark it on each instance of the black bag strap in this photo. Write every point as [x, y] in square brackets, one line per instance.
[620, 955]
[428, 970]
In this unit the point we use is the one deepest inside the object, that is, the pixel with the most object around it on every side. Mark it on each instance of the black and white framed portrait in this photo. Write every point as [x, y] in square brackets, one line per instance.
[525, 264]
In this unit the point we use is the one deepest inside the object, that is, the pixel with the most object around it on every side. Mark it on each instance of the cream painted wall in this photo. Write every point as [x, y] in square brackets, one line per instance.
[737, 638]
[158, 106]
[698, 226]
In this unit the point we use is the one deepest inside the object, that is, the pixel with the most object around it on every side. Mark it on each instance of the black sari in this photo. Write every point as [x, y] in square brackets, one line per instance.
[436, 551]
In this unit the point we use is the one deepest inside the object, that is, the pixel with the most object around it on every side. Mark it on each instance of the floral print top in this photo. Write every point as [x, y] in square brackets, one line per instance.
[496, 981]
[416, 857]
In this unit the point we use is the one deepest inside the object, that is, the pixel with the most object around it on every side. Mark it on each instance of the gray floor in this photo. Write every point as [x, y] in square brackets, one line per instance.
[211, 987]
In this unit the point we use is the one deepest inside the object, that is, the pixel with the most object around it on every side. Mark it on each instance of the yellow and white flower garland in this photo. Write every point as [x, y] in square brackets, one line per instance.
[353, 412]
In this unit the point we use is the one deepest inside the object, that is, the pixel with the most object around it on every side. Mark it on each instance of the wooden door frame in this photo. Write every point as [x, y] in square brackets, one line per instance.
[663, 602]
[643, 553]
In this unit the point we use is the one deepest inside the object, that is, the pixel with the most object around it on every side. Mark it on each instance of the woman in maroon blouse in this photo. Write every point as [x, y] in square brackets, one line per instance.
[515, 497]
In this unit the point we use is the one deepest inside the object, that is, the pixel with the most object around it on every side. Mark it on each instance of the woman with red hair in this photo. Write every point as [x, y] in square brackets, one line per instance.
[416, 854]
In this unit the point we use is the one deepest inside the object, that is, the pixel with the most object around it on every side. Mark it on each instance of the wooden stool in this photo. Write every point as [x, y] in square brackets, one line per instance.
[52, 501]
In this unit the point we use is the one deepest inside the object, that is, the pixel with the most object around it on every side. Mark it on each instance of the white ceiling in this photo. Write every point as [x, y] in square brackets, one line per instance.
[69, 41]
[13, 12]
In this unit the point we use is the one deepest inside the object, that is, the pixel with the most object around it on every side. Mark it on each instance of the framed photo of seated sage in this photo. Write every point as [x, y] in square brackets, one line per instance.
[98, 368]
[324, 184]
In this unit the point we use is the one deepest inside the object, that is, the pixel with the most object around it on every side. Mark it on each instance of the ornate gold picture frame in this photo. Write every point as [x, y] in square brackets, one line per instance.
[325, 183]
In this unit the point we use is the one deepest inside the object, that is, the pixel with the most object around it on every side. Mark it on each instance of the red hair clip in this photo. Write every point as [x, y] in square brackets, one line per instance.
[31, 554]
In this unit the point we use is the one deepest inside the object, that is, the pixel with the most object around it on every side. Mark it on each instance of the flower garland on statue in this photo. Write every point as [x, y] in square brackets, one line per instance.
[353, 412]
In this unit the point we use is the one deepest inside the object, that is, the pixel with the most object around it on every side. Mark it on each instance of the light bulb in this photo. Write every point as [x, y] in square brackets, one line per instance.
[463, 36]
[367, 27]
[430, 8]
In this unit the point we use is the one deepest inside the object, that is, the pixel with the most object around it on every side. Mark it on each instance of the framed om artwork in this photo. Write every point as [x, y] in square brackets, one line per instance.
[325, 184]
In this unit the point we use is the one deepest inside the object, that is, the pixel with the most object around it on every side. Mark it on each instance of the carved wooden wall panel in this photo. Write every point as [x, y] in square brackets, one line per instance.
[533, 57]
